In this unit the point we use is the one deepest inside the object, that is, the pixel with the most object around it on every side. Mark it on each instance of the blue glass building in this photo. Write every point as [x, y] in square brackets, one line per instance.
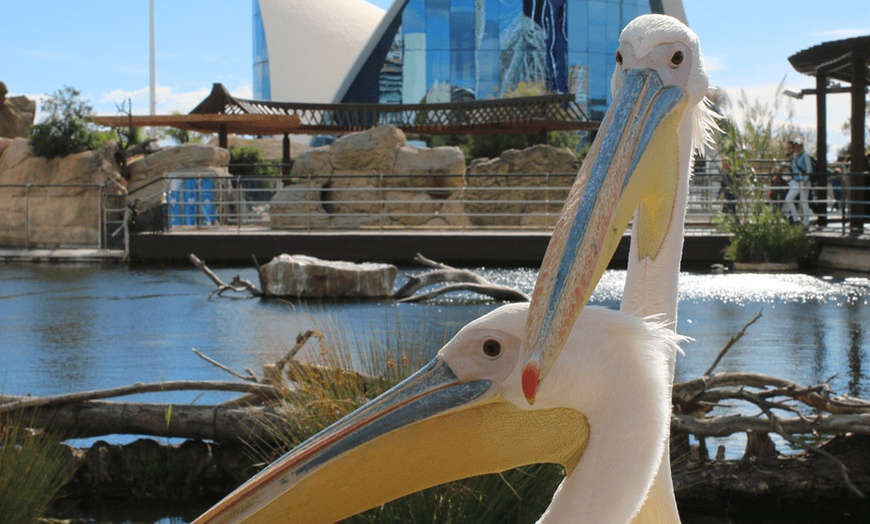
[456, 50]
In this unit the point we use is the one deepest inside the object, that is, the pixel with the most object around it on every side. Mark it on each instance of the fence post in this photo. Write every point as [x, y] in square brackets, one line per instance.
[27, 216]
[102, 218]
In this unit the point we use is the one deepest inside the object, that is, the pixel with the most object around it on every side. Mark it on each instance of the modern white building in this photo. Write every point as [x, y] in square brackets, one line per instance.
[304, 49]
[440, 50]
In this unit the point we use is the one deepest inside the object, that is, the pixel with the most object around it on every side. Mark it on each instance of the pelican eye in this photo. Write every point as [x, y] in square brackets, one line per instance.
[678, 57]
[619, 58]
[491, 347]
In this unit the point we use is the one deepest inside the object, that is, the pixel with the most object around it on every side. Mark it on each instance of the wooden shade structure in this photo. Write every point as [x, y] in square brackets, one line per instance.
[224, 114]
[845, 61]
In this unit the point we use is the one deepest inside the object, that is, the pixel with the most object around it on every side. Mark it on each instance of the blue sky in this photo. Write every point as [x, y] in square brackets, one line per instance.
[101, 48]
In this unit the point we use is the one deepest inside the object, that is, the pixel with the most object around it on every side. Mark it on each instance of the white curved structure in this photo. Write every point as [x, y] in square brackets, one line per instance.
[312, 44]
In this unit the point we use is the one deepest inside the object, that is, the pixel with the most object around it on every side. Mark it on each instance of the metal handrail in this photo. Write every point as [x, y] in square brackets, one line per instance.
[36, 204]
[341, 202]
[434, 201]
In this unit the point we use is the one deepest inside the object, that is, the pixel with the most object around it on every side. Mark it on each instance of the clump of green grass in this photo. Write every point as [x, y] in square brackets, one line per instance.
[327, 393]
[763, 235]
[33, 468]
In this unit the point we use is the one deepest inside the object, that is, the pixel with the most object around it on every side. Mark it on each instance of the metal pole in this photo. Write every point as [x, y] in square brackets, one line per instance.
[153, 107]
[27, 216]
[102, 218]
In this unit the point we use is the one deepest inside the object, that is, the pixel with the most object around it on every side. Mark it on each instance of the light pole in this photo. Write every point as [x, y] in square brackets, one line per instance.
[153, 89]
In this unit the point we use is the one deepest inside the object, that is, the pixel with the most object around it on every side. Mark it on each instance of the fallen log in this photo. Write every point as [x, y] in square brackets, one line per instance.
[20, 403]
[805, 487]
[216, 423]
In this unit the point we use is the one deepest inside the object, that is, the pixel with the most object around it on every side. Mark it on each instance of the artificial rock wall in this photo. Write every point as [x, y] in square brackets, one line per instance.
[374, 178]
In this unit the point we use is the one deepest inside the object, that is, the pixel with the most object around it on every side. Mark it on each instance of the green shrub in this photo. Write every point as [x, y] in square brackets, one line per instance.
[763, 236]
[66, 129]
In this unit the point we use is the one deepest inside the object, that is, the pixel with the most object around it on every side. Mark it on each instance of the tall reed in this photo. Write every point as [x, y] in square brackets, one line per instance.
[383, 356]
[33, 468]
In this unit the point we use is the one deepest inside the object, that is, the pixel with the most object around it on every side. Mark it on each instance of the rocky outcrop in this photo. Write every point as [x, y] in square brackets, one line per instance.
[308, 277]
[43, 216]
[194, 160]
[16, 114]
[375, 178]
[59, 202]
[516, 191]
[298, 205]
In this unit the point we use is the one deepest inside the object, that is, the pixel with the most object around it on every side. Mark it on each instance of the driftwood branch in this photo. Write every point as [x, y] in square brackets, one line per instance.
[730, 344]
[238, 284]
[249, 376]
[18, 403]
[466, 280]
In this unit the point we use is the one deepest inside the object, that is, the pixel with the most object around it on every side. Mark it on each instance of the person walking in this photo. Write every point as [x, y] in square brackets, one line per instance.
[799, 185]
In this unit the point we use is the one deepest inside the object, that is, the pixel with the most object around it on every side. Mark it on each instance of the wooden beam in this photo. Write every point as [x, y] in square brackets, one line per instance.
[821, 196]
[859, 192]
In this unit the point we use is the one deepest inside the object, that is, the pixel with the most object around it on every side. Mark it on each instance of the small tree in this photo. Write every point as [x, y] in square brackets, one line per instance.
[182, 136]
[760, 232]
[66, 129]
[249, 161]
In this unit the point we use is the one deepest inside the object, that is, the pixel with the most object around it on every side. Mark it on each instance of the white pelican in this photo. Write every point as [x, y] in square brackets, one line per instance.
[654, 188]
[606, 397]
[464, 414]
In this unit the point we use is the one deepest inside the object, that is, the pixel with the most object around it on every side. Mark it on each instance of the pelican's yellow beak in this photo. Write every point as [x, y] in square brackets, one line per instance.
[634, 162]
[430, 429]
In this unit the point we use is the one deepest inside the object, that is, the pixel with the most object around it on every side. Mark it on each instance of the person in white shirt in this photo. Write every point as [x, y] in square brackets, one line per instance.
[799, 185]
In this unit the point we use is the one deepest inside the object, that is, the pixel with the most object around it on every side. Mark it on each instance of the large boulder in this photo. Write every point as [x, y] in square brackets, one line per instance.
[308, 277]
[66, 214]
[497, 186]
[193, 160]
[181, 158]
[298, 206]
[431, 168]
[16, 114]
[539, 158]
[373, 178]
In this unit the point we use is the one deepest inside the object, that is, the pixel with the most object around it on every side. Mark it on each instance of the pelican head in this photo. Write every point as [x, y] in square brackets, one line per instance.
[464, 414]
[639, 161]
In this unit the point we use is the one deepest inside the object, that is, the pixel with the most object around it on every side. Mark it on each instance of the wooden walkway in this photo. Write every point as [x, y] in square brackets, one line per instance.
[461, 248]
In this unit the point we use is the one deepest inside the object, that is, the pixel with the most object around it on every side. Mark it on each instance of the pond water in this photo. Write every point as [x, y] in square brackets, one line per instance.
[66, 328]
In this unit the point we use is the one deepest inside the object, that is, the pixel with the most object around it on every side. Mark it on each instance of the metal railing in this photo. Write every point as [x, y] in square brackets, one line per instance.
[438, 201]
[95, 215]
[60, 215]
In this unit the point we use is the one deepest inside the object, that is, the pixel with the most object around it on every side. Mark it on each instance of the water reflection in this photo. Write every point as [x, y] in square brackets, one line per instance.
[856, 356]
[67, 328]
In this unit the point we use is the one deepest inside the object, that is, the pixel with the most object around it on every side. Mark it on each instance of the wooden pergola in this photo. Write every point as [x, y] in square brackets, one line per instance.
[845, 61]
[224, 114]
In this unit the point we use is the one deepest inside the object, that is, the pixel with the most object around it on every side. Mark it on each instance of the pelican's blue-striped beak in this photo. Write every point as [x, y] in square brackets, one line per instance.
[430, 429]
[633, 159]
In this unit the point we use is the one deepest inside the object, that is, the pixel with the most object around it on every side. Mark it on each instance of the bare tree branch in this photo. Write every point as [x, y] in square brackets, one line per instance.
[238, 285]
[731, 343]
[467, 280]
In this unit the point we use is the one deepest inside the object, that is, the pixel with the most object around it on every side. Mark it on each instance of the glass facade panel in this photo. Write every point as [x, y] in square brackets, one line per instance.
[442, 50]
[262, 85]
[438, 25]
[479, 49]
